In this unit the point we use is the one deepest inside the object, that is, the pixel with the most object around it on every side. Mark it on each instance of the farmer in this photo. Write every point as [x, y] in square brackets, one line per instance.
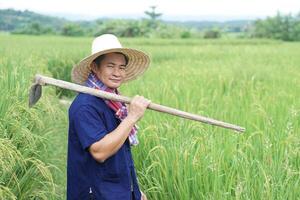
[100, 164]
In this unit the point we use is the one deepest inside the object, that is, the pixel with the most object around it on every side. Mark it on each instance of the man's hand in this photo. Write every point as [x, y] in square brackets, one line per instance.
[143, 196]
[137, 108]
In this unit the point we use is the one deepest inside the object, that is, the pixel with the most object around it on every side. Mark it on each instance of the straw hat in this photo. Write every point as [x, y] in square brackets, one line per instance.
[138, 61]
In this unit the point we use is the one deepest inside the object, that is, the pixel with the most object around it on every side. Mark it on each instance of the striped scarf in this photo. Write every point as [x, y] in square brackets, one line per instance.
[119, 108]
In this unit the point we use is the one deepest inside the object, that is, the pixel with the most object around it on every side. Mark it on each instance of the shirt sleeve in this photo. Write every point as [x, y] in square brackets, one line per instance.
[89, 126]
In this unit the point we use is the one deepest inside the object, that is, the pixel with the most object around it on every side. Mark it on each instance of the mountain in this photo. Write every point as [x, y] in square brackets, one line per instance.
[11, 20]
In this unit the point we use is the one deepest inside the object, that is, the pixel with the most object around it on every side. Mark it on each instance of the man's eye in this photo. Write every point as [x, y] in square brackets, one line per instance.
[110, 66]
[123, 68]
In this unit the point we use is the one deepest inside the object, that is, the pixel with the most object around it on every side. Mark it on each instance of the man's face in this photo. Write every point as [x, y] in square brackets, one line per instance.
[111, 70]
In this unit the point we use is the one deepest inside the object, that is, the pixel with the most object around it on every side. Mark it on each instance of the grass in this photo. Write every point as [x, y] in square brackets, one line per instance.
[252, 83]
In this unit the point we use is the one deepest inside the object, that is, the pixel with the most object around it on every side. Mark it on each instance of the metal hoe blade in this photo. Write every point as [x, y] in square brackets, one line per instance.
[35, 94]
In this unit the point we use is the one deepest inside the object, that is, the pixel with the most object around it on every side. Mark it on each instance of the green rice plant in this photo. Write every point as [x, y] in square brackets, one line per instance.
[60, 69]
[24, 174]
[252, 83]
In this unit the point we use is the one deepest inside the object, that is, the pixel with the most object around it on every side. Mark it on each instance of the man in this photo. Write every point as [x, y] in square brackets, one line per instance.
[100, 164]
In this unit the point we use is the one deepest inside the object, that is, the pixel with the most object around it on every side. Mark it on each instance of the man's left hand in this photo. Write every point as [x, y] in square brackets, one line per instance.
[143, 196]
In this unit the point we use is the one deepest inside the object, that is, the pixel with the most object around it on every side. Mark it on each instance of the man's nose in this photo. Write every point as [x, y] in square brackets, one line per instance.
[117, 71]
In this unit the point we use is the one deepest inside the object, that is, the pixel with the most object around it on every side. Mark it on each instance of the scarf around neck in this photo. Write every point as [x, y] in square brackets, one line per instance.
[119, 108]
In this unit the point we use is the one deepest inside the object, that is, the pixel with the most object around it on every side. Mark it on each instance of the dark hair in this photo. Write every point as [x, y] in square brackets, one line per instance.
[99, 59]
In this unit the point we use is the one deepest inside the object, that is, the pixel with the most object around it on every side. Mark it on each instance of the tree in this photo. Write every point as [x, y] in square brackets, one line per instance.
[282, 27]
[34, 28]
[153, 16]
[72, 30]
[212, 34]
[121, 28]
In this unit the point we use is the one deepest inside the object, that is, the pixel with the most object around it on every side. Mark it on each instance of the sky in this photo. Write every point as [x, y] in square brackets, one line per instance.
[182, 10]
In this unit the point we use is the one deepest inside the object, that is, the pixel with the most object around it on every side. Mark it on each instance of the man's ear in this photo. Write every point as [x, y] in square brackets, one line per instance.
[94, 67]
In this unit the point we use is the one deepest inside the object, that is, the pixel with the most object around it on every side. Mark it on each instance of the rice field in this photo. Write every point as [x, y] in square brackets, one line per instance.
[252, 83]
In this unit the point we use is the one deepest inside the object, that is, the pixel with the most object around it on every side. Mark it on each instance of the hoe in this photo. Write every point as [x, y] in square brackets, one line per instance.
[39, 81]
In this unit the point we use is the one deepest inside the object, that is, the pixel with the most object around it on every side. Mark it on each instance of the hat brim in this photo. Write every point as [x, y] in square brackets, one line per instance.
[138, 62]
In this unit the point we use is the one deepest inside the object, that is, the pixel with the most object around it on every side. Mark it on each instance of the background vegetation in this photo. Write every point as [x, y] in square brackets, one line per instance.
[282, 27]
[250, 82]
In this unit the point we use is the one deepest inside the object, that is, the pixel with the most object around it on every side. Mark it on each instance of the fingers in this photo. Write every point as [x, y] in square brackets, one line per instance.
[141, 100]
[137, 107]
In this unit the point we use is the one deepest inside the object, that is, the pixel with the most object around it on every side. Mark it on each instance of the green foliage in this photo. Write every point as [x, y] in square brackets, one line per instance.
[185, 34]
[12, 20]
[282, 27]
[121, 28]
[141, 28]
[34, 29]
[153, 15]
[60, 68]
[252, 83]
[24, 172]
[212, 34]
[26, 22]
[72, 30]
[238, 81]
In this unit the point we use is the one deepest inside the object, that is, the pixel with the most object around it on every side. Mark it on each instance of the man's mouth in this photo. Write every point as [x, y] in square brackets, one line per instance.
[115, 80]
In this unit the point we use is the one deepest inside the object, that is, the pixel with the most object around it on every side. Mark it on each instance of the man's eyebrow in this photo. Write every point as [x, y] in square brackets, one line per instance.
[112, 63]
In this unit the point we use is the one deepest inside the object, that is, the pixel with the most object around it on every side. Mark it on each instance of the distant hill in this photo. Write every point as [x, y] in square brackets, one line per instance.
[11, 20]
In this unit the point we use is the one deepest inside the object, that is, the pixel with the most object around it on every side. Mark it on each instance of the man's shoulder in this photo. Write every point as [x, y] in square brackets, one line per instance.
[86, 101]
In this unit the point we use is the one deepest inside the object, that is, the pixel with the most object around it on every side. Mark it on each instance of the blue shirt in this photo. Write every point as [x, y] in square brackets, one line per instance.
[90, 119]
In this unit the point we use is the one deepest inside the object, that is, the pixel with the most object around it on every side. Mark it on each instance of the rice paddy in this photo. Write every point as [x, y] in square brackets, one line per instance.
[252, 83]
